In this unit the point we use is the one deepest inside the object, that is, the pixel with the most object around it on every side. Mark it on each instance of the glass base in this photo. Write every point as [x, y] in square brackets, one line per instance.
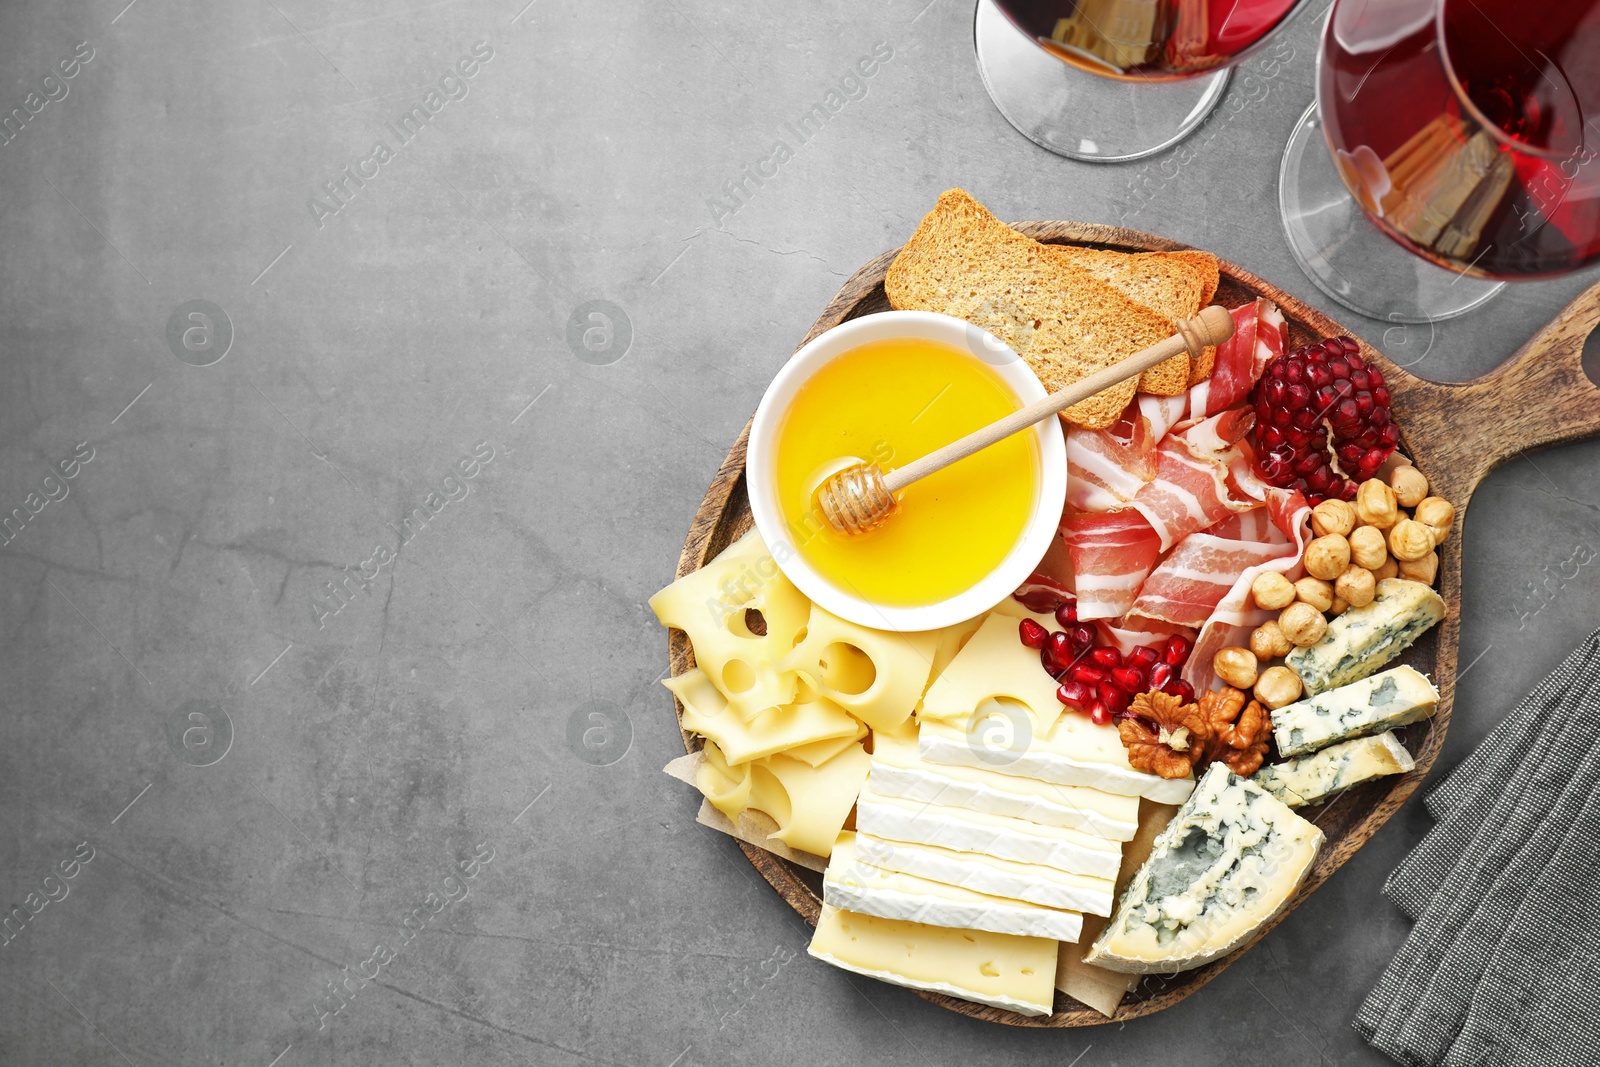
[1080, 115]
[1349, 257]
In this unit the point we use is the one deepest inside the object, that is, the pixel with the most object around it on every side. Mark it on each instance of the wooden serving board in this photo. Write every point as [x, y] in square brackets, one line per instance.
[1455, 434]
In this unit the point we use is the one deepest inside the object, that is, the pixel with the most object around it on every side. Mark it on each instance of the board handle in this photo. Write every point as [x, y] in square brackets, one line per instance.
[1538, 398]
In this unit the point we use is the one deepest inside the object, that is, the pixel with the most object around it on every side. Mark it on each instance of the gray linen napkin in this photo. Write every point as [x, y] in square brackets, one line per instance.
[1463, 800]
[1505, 895]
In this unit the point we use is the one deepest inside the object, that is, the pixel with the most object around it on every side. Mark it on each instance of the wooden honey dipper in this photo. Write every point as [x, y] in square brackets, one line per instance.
[860, 497]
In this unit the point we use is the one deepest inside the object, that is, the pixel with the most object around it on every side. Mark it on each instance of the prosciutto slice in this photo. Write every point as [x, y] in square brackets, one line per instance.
[1105, 468]
[1258, 338]
[1187, 586]
[1111, 555]
[1190, 491]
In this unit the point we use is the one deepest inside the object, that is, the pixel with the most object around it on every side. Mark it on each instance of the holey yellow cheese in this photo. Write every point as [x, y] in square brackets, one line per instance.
[809, 804]
[713, 606]
[781, 729]
[1001, 970]
[875, 675]
[994, 664]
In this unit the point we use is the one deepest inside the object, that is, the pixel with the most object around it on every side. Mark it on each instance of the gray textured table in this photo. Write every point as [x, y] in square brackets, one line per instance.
[294, 757]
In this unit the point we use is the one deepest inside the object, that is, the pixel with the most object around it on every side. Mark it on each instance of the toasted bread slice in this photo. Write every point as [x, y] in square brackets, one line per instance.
[1062, 320]
[1169, 287]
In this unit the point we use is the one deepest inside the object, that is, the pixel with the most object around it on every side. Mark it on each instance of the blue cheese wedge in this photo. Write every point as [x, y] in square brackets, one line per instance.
[1382, 702]
[1225, 866]
[1364, 639]
[1310, 778]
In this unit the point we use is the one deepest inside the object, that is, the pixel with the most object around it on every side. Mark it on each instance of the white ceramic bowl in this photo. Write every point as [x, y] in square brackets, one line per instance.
[761, 467]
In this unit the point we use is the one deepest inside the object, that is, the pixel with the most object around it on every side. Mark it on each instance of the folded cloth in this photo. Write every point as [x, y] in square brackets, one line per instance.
[1464, 798]
[1501, 965]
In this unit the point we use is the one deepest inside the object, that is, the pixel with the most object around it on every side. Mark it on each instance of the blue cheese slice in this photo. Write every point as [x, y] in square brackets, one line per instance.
[867, 890]
[1225, 866]
[1310, 778]
[1382, 702]
[1365, 638]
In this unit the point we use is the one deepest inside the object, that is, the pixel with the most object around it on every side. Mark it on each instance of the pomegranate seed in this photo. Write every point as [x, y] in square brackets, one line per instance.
[1339, 368]
[1181, 689]
[1361, 380]
[1176, 650]
[1086, 673]
[1033, 635]
[1067, 613]
[1038, 601]
[1275, 393]
[1073, 694]
[1294, 374]
[1380, 394]
[1350, 346]
[1348, 493]
[1143, 657]
[1161, 675]
[1272, 437]
[1083, 636]
[1128, 679]
[1309, 462]
[1106, 657]
[1112, 697]
[1319, 377]
[1099, 714]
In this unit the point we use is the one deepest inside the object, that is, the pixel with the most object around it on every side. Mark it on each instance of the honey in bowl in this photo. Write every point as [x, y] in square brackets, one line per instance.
[890, 402]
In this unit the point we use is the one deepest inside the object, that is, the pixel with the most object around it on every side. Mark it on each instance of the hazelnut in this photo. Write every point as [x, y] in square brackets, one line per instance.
[1303, 624]
[1423, 570]
[1389, 569]
[1333, 517]
[1340, 606]
[1356, 586]
[1375, 504]
[1368, 547]
[1272, 591]
[1236, 666]
[1277, 687]
[1410, 540]
[1409, 485]
[1314, 591]
[1438, 513]
[1267, 641]
[1327, 557]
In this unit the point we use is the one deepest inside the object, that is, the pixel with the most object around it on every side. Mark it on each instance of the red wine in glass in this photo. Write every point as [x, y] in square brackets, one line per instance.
[1148, 39]
[1468, 130]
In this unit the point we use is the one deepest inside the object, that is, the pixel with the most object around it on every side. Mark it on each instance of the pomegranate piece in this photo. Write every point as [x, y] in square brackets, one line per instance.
[1057, 654]
[1067, 613]
[1161, 676]
[1322, 396]
[1113, 697]
[1083, 636]
[1181, 689]
[1129, 679]
[1033, 635]
[1099, 714]
[1073, 694]
[1143, 658]
[1086, 673]
[1106, 657]
[1176, 650]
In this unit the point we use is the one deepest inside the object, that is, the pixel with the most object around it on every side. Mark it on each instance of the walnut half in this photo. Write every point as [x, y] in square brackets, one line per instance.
[1163, 735]
[1238, 731]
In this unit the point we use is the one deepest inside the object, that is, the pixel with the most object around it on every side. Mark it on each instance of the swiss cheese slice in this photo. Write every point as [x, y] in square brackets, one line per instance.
[1001, 970]
[809, 804]
[707, 712]
[876, 675]
[990, 875]
[994, 663]
[711, 606]
[868, 890]
[1075, 753]
[970, 831]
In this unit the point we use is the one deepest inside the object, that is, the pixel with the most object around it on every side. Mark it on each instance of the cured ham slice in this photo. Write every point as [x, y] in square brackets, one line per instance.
[1190, 491]
[1111, 555]
[1105, 468]
[1258, 337]
[1196, 576]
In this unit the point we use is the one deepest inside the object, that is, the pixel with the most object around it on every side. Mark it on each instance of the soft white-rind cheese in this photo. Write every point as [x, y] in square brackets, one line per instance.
[1365, 638]
[868, 890]
[1310, 778]
[991, 875]
[1225, 866]
[1056, 758]
[1382, 702]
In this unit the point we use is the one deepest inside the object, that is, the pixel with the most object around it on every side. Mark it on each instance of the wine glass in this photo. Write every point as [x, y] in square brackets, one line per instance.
[1162, 66]
[1463, 131]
